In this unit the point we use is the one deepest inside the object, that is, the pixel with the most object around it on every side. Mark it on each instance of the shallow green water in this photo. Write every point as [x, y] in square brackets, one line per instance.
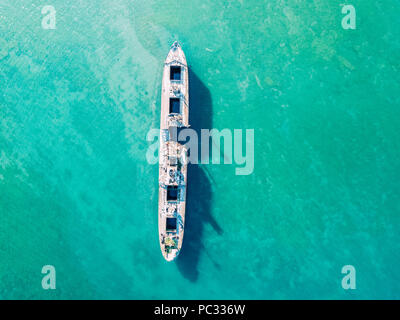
[77, 192]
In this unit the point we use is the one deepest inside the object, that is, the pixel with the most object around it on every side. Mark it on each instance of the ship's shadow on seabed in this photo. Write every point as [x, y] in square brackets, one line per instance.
[199, 192]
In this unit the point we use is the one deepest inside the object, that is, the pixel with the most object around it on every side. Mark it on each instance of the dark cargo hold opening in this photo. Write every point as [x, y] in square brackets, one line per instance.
[171, 224]
[173, 161]
[174, 105]
[172, 193]
[174, 132]
[175, 73]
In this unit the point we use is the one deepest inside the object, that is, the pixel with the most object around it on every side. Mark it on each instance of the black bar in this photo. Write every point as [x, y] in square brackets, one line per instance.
[201, 309]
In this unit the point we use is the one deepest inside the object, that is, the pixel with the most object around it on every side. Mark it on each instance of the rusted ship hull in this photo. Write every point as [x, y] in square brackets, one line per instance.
[173, 155]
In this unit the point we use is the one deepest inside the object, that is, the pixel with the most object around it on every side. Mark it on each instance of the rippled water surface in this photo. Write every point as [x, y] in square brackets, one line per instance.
[77, 192]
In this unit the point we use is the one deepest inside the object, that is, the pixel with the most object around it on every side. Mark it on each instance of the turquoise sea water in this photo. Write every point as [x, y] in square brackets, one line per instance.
[77, 192]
